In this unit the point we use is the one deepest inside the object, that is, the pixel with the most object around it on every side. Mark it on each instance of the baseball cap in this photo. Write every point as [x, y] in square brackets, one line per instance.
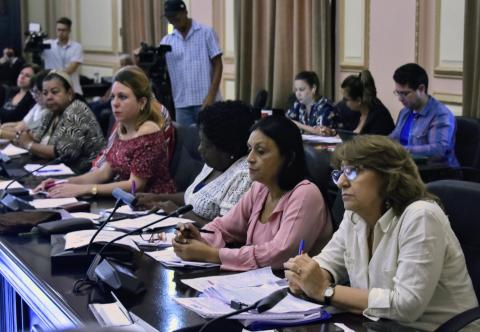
[172, 7]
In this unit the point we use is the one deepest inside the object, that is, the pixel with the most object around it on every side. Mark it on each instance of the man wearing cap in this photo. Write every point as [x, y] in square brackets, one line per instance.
[65, 54]
[194, 64]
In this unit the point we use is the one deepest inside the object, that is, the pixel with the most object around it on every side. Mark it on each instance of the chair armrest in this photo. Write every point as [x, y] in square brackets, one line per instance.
[460, 321]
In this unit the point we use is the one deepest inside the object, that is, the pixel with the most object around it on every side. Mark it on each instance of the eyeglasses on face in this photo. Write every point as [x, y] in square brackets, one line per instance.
[402, 94]
[350, 172]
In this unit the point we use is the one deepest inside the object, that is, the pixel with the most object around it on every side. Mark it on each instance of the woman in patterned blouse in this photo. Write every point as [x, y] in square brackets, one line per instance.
[69, 130]
[224, 128]
[138, 155]
[312, 113]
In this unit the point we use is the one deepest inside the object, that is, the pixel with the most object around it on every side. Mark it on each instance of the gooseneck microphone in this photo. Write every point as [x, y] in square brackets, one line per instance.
[261, 305]
[112, 274]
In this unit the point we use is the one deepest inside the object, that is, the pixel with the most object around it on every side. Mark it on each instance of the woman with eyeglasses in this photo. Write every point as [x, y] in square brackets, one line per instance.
[69, 130]
[280, 210]
[19, 100]
[394, 249]
[360, 95]
[33, 120]
[312, 112]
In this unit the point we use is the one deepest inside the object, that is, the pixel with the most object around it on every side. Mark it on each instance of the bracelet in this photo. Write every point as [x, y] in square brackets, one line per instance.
[94, 190]
[29, 146]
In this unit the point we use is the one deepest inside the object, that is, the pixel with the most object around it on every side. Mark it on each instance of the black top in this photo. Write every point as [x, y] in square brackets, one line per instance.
[14, 113]
[379, 120]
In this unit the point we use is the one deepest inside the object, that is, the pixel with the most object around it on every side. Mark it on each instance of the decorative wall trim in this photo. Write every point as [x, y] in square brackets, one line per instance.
[351, 63]
[444, 67]
[449, 98]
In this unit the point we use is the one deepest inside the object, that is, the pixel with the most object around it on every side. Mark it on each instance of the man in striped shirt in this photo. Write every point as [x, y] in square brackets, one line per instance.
[425, 126]
[194, 64]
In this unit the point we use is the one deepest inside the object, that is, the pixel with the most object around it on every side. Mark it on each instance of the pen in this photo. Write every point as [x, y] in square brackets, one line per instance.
[201, 230]
[54, 183]
[301, 247]
[48, 170]
[133, 189]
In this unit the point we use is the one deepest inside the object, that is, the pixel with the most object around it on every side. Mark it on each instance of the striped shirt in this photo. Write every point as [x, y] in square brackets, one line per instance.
[189, 64]
[432, 133]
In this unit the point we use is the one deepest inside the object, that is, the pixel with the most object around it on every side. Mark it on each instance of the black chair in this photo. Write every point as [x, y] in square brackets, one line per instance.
[318, 166]
[467, 147]
[461, 200]
[186, 161]
[259, 103]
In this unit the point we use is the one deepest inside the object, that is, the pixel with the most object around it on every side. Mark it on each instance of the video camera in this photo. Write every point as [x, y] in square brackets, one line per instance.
[152, 60]
[35, 38]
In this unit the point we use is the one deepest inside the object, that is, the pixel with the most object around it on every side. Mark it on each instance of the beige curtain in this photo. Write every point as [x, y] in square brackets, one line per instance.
[277, 39]
[471, 59]
[142, 21]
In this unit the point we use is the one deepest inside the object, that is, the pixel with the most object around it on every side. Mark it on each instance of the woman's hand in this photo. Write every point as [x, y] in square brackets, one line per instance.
[44, 185]
[186, 232]
[327, 131]
[304, 275]
[69, 190]
[195, 250]
[22, 139]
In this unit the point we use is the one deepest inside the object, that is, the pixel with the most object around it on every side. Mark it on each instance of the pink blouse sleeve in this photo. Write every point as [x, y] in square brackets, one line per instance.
[305, 216]
[232, 227]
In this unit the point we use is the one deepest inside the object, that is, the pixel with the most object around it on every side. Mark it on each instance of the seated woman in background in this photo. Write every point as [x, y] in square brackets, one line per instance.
[69, 130]
[395, 246]
[34, 118]
[360, 95]
[224, 128]
[19, 101]
[279, 211]
[138, 154]
[312, 113]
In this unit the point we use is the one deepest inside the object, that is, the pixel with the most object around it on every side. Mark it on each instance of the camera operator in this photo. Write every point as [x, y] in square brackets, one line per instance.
[194, 65]
[65, 54]
[10, 66]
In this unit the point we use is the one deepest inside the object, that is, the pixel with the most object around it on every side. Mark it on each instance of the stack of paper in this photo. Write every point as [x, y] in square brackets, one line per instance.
[15, 184]
[48, 203]
[80, 239]
[322, 139]
[50, 170]
[12, 150]
[169, 259]
[247, 288]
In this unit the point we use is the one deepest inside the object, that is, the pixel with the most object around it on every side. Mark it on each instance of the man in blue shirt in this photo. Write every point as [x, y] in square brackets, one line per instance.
[194, 64]
[425, 126]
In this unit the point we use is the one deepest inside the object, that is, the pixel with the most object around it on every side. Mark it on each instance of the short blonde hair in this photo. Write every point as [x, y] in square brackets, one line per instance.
[402, 184]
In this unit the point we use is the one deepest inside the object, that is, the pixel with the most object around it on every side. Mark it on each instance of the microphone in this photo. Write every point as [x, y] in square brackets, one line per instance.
[118, 276]
[261, 305]
[125, 197]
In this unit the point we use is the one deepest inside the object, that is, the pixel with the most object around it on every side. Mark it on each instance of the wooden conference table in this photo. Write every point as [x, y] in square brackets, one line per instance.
[38, 296]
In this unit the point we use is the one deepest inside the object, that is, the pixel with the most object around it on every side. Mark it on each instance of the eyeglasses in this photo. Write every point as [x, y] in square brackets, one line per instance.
[402, 94]
[351, 173]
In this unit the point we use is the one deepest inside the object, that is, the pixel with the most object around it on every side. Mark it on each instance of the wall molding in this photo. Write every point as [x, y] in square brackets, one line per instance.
[449, 98]
[349, 63]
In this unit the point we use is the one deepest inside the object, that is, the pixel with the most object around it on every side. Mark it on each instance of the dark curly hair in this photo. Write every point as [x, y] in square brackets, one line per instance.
[288, 139]
[402, 184]
[227, 125]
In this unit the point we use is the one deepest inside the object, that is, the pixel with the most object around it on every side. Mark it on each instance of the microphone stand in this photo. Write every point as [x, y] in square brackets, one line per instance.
[91, 275]
[261, 305]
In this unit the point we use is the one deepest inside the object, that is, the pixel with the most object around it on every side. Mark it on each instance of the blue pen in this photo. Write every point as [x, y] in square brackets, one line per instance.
[48, 170]
[133, 189]
[301, 247]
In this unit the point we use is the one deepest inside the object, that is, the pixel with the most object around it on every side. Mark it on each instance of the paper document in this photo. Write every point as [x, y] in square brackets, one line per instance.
[126, 209]
[12, 150]
[47, 203]
[251, 278]
[135, 223]
[80, 239]
[50, 170]
[322, 139]
[87, 215]
[169, 259]
[15, 184]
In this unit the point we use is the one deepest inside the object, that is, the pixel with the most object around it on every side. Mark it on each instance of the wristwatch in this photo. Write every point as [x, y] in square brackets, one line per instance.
[328, 294]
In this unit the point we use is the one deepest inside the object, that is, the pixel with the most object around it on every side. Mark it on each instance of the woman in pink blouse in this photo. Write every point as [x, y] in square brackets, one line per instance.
[139, 152]
[279, 211]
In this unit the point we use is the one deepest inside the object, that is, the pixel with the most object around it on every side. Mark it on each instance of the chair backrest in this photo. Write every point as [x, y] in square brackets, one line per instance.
[318, 166]
[461, 202]
[467, 141]
[186, 160]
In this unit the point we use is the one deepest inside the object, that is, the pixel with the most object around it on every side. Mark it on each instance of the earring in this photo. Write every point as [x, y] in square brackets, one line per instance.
[232, 157]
